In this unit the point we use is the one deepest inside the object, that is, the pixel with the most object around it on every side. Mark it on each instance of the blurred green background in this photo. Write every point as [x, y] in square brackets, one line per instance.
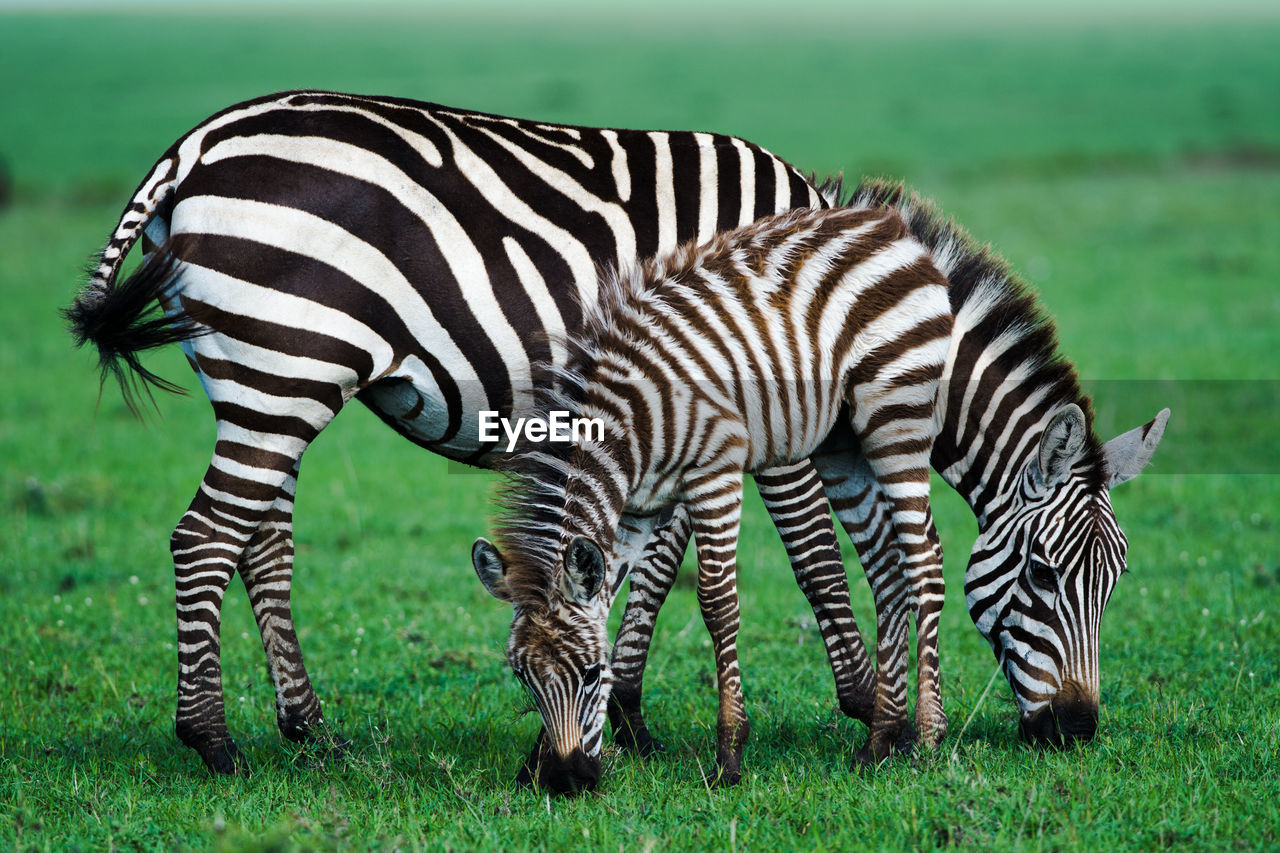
[1125, 158]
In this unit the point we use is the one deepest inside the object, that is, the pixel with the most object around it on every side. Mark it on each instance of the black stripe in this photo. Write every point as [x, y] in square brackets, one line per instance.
[728, 183]
[686, 178]
[766, 183]
[643, 207]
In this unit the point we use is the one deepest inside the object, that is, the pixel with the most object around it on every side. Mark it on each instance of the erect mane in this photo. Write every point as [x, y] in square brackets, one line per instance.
[991, 304]
[535, 522]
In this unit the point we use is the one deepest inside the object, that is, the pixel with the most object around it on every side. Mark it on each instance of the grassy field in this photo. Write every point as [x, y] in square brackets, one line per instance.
[1129, 164]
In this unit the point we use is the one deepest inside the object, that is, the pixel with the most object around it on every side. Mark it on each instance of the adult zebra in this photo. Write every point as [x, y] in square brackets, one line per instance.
[826, 333]
[314, 247]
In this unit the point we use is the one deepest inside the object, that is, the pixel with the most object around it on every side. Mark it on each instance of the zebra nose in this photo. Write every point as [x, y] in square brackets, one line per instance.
[1071, 717]
[573, 774]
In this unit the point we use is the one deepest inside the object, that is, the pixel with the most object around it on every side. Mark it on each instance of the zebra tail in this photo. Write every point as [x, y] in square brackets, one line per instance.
[122, 321]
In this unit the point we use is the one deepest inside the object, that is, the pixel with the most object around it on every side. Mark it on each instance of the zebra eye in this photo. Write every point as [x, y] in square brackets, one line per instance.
[591, 676]
[1043, 575]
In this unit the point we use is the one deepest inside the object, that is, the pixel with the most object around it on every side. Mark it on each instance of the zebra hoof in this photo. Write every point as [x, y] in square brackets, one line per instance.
[908, 740]
[638, 742]
[224, 759]
[858, 708]
[728, 768]
[882, 745]
[629, 730]
[724, 777]
[319, 740]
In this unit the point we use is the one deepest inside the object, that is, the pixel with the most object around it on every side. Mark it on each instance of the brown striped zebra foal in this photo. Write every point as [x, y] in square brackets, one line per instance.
[740, 355]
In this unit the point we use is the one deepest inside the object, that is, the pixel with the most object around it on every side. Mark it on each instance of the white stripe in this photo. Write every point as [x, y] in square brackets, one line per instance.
[708, 195]
[543, 305]
[621, 175]
[747, 194]
[291, 229]
[664, 190]
[781, 187]
[581, 265]
[454, 243]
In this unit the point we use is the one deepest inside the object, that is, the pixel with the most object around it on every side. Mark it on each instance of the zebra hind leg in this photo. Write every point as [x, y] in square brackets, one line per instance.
[202, 545]
[207, 546]
[650, 581]
[267, 571]
[796, 502]
[234, 502]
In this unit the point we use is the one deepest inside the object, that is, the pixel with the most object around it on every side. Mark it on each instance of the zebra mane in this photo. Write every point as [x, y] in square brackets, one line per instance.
[985, 288]
[533, 500]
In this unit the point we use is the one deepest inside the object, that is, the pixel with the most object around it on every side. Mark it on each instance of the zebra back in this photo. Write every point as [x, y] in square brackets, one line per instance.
[481, 235]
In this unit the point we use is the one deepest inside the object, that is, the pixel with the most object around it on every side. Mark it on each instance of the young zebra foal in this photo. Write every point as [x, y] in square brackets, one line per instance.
[713, 362]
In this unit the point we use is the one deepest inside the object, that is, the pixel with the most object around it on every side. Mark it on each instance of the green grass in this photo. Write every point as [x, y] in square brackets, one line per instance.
[1130, 165]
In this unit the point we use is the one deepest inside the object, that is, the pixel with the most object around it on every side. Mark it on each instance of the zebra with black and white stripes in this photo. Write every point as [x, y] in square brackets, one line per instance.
[312, 247]
[879, 339]
[1015, 440]
[704, 365]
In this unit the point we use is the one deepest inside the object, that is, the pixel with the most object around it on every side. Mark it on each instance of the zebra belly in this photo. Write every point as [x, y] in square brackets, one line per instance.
[411, 403]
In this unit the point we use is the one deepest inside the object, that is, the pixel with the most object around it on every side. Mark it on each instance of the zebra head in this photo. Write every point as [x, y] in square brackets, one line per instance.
[560, 653]
[1044, 566]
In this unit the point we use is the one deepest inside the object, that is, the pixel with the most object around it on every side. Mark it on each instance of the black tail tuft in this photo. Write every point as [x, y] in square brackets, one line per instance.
[123, 321]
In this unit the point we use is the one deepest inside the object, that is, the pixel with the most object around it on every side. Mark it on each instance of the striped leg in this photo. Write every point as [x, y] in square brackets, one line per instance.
[651, 580]
[797, 503]
[238, 491]
[716, 509]
[863, 511]
[267, 571]
[897, 451]
[931, 721]
[240, 519]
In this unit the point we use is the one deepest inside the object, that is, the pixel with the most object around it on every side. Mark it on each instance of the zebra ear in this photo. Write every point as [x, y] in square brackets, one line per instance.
[490, 569]
[1129, 453]
[584, 570]
[1062, 440]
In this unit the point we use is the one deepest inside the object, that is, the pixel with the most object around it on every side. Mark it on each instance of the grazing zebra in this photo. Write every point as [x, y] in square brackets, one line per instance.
[1015, 440]
[714, 361]
[881, 339]
[314, 247]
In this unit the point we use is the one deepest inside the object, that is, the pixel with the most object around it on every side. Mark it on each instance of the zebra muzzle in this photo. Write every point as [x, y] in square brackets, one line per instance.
[1070, 717]
[544, 769]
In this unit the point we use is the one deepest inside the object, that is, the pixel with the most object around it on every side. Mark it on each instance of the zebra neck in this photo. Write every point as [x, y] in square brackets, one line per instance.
[982, 448]
[597, 486]
[992, 413]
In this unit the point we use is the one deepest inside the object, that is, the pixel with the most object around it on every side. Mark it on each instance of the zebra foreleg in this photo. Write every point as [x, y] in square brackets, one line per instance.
[716, 510]
[267, 571]
[864, 511]
[797, 504]
[931, 721]
[651, 579]
[917, 560]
